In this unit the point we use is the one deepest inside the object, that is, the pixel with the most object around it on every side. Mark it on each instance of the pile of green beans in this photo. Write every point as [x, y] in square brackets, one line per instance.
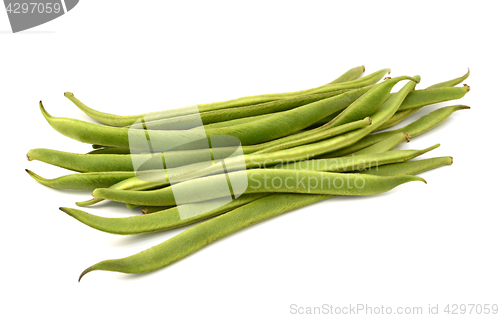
[331, 133]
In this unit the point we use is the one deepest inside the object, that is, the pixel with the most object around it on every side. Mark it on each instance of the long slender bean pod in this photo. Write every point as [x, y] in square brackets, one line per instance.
[209, 188]
[350, 75]
[424, 97]
[414, 129]
[161, 220]
[84, 181]
[320, 135]
[385, 144]
[399, 117]
[452, 82]
[282, 124]
[120, 121]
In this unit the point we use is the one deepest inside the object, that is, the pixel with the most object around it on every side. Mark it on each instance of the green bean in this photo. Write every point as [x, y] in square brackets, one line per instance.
[350, 75]
[133, 183]
[207, 232]
[373, 157]
[105, 118]
[399, 117]
[82, 163]
[84, 181]
[251, 100]
[414, 129]
[234, 122]
[424, 97]
[115, 120]
[320, 135]
[367, 104]
[410, 167]
[237, 115]
[385, 144]
[282, 124]
[161, 220]
[432, 96]
[452, 82]
[197, 188]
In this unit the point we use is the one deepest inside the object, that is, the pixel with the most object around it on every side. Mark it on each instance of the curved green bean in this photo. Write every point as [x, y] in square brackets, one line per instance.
[320, 135]
[84, 181]
[423, 97]
[385, 144]
[350, 75]
[452, 82]
[237, 115]
[160, 220]
[399, 117]
[414, 129]
[410, 167]
[197, 188]
[281, 124]
[115, 120]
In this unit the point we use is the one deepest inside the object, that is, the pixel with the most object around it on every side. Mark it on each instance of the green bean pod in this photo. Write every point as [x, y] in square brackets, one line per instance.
[367, 104]
[238, 115]
[385, 144]
[452, 82]
[414, 129]
[160, 220]
[368, 160]
[423, 97]
[116, 120]
[410, 167]
[399, 117]
[269, 128]
[319, 135]
[350, 75]
[432, 96]
[84, 181]
[257, 180]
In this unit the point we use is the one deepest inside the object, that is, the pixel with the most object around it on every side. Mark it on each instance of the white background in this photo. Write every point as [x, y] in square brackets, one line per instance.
[419, 244]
